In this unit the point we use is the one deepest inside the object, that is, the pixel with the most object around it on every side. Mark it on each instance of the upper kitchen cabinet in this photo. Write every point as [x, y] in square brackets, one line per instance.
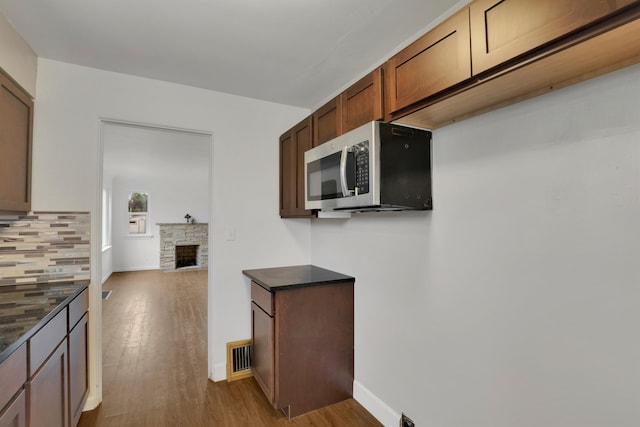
[16, 124]
[504, 29]
[597, 41]
[293, 144]
[363, 101]
[436, 61]
[327, 122]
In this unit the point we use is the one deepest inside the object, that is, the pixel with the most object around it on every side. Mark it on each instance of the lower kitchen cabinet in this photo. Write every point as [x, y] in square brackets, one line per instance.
[262, 327]
[78, 369]
[302, 351]
[15, 414]
[13, 374]
[48, 391]
[45, 382]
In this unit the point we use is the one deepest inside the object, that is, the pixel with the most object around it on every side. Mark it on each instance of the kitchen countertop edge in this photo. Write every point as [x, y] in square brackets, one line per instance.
[4, 355]
[318, 276]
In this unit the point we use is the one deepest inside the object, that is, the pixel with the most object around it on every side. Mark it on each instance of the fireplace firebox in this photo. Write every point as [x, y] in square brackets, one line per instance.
[186, 256]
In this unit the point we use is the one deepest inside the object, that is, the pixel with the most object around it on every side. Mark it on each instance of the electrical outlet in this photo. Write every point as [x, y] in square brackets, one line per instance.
[406, 421]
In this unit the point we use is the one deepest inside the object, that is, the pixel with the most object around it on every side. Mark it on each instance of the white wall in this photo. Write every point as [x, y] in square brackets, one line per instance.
[16, 57]
[515, 302]
[243, 189]
[172, 167]
[106, 220]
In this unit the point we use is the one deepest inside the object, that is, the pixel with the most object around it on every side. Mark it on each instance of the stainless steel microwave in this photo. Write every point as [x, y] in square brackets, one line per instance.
[378, 166]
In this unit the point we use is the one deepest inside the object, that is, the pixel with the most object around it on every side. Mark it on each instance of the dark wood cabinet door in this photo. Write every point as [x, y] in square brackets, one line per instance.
[327, 122]
[436, 61]
[16, 121]
[287, 175]
[13, 374]
[303, 139]
[362, 101]
[504, 29]
[78, 369]
[262, 336]
[15, 414]
[47, 392]
[293, 144]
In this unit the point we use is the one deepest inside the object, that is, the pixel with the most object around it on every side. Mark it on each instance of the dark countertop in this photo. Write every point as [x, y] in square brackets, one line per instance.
[279, 278]
[26, 308]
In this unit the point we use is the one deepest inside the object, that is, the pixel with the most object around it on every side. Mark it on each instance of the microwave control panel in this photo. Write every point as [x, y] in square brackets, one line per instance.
[361, 154]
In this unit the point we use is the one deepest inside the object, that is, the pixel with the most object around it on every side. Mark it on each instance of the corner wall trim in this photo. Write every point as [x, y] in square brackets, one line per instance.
[380, 410]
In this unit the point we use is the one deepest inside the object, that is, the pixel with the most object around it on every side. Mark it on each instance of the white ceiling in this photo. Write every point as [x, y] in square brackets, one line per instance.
[132, 151]
[295, 52]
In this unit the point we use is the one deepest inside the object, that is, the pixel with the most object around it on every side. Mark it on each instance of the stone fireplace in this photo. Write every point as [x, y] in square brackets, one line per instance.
[184, 245]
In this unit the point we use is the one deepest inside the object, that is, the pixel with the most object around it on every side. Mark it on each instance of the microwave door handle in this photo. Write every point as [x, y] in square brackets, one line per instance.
[343, 172]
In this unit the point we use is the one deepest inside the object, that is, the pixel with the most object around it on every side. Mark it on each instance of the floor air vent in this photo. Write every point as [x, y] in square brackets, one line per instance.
[238, 360]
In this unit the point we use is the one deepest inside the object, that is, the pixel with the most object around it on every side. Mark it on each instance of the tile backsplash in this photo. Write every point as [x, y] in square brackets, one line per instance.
[45, 248]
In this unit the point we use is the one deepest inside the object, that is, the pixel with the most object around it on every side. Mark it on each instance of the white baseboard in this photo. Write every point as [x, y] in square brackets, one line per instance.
[106, 276]
[219, 372]
[380, 410]
[122, 269]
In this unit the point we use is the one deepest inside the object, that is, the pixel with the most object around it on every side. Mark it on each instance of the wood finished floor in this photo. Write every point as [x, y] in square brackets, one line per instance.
[155, 363]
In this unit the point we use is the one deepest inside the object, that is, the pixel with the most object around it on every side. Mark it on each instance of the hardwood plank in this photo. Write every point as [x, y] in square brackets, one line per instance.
[155, 363]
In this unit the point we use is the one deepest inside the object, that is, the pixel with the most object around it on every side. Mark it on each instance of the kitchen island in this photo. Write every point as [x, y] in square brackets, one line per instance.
[302, 336]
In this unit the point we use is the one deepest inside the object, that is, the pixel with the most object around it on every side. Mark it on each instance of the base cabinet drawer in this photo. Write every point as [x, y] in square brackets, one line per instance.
[15, 414]
[46, 340]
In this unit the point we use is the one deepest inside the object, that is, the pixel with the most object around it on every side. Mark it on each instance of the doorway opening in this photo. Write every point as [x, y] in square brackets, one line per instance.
[154, 161]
